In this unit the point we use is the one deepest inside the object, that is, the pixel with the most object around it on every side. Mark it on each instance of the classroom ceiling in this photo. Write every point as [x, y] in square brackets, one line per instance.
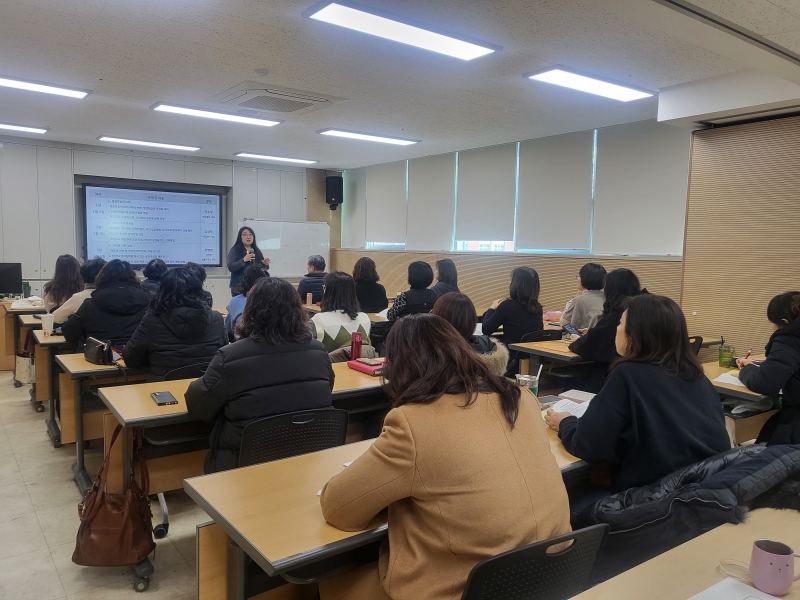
[133, 54]
[776, 20]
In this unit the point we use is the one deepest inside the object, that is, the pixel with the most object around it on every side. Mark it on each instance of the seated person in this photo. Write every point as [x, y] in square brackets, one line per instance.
[113, 311]
[463, 465]
[583, 311]
[89, 272]
[276, 367]
[66, 282]
[371, 294]
[598, 343]
[200, 271]
[458, 310]
[446, 277]
[339, 316]
[235, 308]
[311, 283]
[657, 411]
[179, 330]
[419, 299]
[780, 371]
[153, 273]
[521, 313]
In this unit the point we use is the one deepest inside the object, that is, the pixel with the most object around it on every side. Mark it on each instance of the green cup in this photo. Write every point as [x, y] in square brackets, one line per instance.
[26, 289]
[529, 381]
[726, 356]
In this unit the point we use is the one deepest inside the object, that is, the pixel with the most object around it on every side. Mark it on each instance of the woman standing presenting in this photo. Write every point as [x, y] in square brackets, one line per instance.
[243, 253]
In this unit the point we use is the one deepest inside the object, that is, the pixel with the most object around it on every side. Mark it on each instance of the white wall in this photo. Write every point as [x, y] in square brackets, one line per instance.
[40, 214]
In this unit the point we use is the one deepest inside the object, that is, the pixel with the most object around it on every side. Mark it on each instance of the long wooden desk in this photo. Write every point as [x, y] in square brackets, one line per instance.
[46, 348]
[692, 567]
[272, 513]
[10, 332]
[77, 372]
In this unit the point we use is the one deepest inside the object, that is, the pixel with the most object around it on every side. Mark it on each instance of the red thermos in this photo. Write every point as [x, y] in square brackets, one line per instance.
[355, 345]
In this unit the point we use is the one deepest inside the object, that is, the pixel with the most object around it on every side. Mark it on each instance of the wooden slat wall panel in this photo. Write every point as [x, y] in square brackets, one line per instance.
[742, 228]
[485, 277]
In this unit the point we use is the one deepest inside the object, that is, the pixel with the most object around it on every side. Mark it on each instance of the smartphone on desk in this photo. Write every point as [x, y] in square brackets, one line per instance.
[571, 330]
[164, 398]
[37, 316]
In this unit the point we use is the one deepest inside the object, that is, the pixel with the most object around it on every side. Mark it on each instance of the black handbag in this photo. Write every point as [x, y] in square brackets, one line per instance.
[104, 353]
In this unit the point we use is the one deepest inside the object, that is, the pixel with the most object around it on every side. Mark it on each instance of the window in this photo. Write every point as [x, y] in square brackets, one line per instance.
[482, 246]
[386, 246]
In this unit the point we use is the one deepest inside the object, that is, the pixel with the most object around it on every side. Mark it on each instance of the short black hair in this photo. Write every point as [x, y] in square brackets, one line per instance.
[179, 287]
[251, 275]
[447, 271]
[91, 269]
[198, 270]
[365, 271]
[317, 262]
[155, 269]
[784, 309]
[593, 276]
[274, 314]
[420, 275]
[116, 271]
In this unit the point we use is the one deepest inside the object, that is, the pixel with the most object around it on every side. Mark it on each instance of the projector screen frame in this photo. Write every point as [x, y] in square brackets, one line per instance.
[143, 186]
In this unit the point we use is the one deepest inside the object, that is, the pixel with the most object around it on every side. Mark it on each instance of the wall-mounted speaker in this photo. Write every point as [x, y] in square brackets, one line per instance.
[334, 189]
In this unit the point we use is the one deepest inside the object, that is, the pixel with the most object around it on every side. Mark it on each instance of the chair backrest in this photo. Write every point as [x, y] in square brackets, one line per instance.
[187, 372]
[543, 335]
[343, 354]
[695, 343]
[530, 573]
[292, 434]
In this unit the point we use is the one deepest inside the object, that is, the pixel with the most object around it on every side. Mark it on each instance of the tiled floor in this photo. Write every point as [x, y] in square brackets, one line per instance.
[39, 520]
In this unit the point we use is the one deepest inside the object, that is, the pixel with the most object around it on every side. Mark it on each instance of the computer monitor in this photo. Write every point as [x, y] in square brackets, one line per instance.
[10, 278]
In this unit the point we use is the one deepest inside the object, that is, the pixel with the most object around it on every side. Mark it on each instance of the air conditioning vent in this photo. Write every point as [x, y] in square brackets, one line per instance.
[272, 103]
[272, 100]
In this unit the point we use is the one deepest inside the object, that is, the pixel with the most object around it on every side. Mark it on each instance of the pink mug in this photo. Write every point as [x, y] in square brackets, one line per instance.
[772, 567]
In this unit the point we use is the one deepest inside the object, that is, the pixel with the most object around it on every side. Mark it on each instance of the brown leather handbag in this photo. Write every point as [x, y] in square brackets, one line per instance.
[116, 529]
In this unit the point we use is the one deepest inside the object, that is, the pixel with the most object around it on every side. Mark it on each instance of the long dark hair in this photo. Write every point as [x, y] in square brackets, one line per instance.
[179, 287]
[458, 310]
[115, 271]
[427, 358]
[66, 281]
[620, 285]
[657, 333]
[239, 245]
[155, 269]
[447, 271]
[524, 288]
[340, 294]
[784, 309]
[365, 271]
[274, 314]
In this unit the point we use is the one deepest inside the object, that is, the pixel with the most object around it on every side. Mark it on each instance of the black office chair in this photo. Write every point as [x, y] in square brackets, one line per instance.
[530, 573]
[180, 438]
[695, 343]
[292, 434]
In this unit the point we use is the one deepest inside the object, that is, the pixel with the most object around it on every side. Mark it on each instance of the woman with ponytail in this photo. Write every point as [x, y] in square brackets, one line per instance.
[781, 371]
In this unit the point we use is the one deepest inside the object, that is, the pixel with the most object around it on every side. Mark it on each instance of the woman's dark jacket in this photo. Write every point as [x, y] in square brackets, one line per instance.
[237, 265]
[371, 297]
[187, 335]
[249, 380]
[111, 312]
[781, 371]
[599, 346]
[441, 288]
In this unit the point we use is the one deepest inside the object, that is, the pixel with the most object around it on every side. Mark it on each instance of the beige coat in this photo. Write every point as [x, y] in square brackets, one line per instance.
[460, 485]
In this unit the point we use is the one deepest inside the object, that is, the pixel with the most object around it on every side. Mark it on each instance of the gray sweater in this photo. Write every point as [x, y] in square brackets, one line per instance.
[584, 309]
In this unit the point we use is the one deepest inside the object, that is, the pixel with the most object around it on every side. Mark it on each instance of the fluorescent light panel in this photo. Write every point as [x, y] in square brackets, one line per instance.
[373, 23]
[583, 83]
[368, 137]
[42, 87]
[210, 114]
[302, 161]
[22, 128]
[115, 140]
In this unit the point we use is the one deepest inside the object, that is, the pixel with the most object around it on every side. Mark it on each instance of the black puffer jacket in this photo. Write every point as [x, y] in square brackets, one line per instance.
[649, 520]
[250, 380]
[188, 335]
[151, 285]
[781, 371]
[114, 311]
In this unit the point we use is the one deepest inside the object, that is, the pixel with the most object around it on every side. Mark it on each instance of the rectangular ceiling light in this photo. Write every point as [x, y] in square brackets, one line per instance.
[368, 137]
[114, 140]
[23, 129]
[42, 87]
[576, 81]
[390, 27]
[301, 161]
[210, 114]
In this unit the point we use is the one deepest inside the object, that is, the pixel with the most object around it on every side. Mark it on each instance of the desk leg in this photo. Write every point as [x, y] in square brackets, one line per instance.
[82, 479]
[237, 572]
[52, 425]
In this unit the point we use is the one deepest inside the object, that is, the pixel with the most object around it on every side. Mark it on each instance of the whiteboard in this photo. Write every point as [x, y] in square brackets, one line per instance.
[288, 245]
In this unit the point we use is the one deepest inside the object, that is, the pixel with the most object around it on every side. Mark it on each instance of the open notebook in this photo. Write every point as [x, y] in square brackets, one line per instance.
[574, 402]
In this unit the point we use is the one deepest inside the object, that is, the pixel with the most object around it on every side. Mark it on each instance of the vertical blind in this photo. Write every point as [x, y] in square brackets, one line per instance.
[486, 193]
[555, 192]
[386, 203]
[431, 202]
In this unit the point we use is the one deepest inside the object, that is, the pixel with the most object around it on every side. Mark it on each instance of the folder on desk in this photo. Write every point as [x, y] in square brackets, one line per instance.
[373, 370]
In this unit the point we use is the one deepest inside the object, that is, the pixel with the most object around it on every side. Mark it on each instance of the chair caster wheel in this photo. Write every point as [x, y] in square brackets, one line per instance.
[39, 408]
[17, 384]
[141, 585]
[160, 531]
